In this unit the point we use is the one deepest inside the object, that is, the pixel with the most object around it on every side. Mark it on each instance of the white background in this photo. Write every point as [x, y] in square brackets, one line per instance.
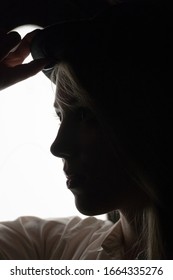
[31, 178]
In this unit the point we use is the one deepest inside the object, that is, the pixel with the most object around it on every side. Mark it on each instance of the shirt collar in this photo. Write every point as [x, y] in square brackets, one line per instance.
[113, 243]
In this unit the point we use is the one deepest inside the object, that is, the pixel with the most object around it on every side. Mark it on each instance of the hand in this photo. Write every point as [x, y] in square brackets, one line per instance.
[13, 52]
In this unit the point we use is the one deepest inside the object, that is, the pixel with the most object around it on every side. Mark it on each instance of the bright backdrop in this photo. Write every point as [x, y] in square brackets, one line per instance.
[32, 181]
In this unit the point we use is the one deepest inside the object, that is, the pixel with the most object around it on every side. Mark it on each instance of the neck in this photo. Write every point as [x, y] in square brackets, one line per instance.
[132, 246]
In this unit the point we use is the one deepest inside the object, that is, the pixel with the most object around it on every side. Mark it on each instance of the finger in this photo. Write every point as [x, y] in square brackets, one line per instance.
[19, 55]
[29, 36]
[8, 42]
[21, 72]
[29, 69]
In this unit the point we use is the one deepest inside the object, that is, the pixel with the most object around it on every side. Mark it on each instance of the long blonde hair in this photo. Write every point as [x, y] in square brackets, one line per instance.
[148, 221]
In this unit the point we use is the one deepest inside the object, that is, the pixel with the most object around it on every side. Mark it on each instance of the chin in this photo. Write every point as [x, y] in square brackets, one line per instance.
[89, 206]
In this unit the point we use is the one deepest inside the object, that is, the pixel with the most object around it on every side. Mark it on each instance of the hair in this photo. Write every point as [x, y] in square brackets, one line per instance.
[148, 221]
[143, 86]
[66, 81]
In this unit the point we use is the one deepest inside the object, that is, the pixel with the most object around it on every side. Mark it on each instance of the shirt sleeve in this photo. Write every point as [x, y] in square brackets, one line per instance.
[32, 238]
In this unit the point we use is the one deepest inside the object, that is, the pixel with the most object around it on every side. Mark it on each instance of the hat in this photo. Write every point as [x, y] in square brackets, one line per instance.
[70, 41]
[124, 34]
[123, 57]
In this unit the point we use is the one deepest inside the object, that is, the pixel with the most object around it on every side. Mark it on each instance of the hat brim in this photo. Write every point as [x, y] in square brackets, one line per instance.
[67, 41]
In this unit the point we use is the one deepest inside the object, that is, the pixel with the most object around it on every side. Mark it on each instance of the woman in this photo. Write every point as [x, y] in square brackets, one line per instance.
[113, 100]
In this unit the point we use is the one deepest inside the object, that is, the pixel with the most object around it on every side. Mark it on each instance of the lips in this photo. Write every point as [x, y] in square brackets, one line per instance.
[75, 182]
[75, 178]
[71, 174]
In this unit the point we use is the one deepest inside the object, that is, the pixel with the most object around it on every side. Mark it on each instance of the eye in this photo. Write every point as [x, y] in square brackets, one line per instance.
[58, 115]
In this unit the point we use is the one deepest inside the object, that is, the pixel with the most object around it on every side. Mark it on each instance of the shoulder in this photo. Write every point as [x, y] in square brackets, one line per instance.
[35, 238]
[23, 238]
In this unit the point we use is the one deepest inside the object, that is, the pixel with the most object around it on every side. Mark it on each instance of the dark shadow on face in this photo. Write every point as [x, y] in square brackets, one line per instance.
[95, 175]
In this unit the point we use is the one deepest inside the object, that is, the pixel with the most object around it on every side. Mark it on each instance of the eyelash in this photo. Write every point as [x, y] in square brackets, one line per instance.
[81, 114]
[58, 116]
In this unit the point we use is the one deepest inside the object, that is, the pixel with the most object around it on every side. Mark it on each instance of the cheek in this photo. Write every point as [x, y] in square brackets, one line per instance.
[91, 143]
[95, 152]
[99, 161]
[88, 135]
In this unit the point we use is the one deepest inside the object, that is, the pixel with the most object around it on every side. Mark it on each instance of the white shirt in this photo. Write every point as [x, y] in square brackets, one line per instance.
[72, 238]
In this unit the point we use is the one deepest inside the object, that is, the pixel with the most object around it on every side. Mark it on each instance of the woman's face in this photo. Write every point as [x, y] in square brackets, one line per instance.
[93, 172]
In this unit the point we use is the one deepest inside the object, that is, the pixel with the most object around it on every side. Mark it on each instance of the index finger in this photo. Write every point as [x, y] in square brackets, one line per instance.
[23, 50]
[13, 75]
[8, 42]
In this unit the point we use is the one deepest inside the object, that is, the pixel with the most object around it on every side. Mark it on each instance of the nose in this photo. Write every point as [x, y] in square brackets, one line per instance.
[65, 143]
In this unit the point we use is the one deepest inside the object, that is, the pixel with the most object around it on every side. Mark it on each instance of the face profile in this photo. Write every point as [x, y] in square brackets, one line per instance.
[94, 172]
[113, 80]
